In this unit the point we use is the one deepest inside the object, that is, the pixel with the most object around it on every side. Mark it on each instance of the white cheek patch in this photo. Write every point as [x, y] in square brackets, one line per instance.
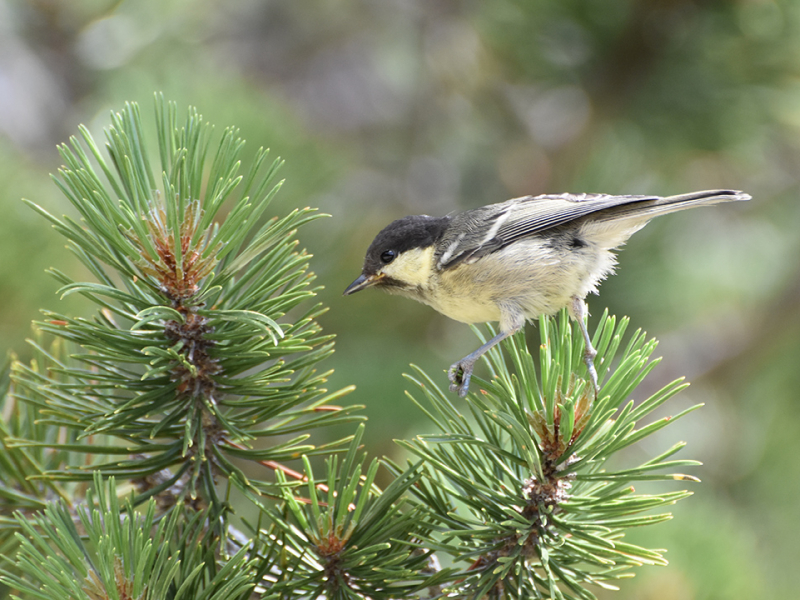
[412, 267]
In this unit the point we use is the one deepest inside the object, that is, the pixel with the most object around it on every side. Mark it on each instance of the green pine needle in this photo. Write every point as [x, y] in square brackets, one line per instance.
[191, 354]
[358, 541]
[526, 490]
[102, 550]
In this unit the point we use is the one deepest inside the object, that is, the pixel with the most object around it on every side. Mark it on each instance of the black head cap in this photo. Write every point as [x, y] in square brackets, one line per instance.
[418, 231]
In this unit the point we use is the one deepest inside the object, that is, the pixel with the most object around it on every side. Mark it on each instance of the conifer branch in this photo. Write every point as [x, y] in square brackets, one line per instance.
[202, 357]
[527, 498]
[186, 362]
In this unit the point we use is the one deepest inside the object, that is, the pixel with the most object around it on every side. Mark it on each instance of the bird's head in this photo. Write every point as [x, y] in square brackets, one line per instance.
[400, 258]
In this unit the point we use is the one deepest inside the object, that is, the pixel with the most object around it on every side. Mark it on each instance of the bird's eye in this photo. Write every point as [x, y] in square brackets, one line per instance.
[388, 256]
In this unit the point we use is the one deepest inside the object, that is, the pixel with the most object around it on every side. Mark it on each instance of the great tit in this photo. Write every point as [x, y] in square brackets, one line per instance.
[515, 260]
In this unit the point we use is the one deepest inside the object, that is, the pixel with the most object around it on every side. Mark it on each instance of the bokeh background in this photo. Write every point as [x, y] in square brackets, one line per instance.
[391, 107]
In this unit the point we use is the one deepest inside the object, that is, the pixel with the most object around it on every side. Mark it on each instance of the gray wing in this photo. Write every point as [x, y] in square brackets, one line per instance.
[478, 232]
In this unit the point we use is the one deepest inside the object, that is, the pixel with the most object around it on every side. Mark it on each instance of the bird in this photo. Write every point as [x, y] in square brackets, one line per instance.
[512, 261]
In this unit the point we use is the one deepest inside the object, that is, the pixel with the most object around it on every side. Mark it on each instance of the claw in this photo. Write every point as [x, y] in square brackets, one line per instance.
[459, 375]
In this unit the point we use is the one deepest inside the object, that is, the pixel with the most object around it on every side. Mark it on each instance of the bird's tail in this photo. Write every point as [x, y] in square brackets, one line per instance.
[652, 206]
[611, 227]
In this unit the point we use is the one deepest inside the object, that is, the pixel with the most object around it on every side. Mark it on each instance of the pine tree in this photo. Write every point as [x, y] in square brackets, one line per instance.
[138, 443]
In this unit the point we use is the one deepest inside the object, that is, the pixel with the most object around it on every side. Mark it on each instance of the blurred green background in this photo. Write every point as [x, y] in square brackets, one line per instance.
[388, 108]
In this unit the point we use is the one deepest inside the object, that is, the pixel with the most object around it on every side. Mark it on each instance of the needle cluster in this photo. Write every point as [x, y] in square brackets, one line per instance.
[524, 485]
[199, 364]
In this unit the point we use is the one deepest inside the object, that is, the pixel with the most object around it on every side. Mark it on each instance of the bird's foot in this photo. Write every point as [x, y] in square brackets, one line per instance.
[459, 375]
[579, 312]
[588, 358]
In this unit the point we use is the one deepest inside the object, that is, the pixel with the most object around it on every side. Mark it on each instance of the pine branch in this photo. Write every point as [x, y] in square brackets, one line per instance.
[524, 489]
[202, 357]
[190, 359]
[104, 551]
[348, 538]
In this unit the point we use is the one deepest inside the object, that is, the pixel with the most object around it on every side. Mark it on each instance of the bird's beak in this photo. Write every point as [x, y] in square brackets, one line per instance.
[361, 282]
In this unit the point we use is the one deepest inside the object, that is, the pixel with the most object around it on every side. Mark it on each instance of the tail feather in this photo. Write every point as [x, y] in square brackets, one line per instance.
[650, 207]
[611, 227]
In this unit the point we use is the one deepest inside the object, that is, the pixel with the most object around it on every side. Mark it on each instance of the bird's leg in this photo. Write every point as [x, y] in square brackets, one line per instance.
[460, 373]
[579, 312]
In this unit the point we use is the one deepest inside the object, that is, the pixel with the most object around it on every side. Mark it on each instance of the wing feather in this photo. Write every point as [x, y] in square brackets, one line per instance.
[520, 217]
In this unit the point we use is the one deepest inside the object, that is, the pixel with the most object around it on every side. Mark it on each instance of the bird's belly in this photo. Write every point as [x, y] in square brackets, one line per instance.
[528, 281]
[472, 309]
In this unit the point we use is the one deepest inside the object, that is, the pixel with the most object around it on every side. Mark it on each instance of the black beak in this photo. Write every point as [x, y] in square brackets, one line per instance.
[361, 282]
